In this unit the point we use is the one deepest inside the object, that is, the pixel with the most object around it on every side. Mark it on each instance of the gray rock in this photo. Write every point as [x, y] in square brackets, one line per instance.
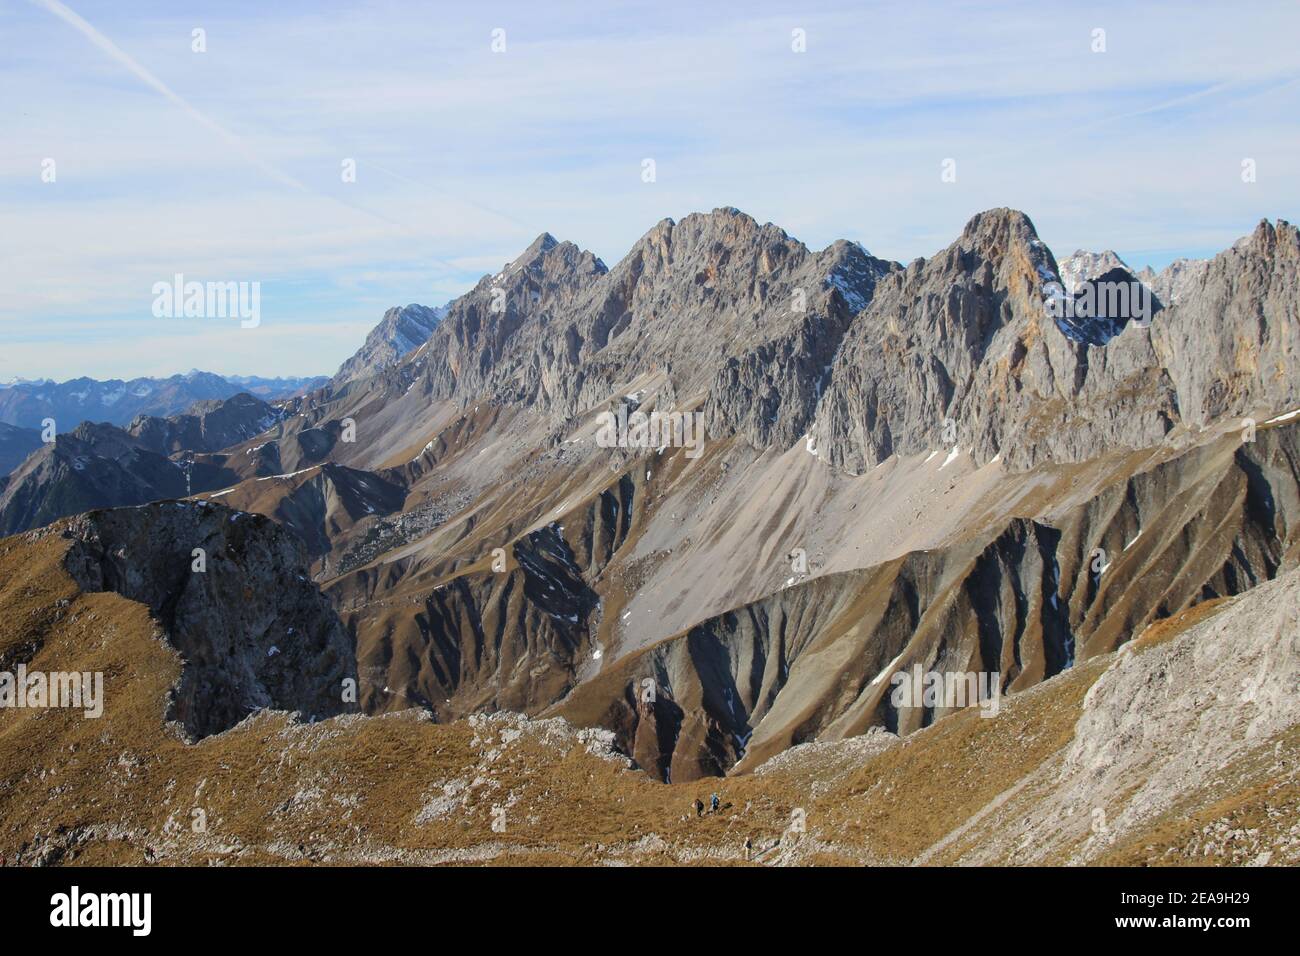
[1082, 266]
[401, 331]
[253, 631]
[206, 426]
[964, 339]
[1176, 281]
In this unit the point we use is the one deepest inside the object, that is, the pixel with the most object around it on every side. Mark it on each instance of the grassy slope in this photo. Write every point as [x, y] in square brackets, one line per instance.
[122, 789]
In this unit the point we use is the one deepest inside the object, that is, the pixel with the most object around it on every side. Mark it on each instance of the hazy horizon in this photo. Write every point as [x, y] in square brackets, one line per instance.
[225, 164]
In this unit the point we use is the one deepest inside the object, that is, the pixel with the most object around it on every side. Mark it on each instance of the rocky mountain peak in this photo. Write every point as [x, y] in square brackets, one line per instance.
[401, 331]
[549, 257]
[1082, 266]
[207, 426]
[998, 248]
[1280, 238]
[998, 228]
[1102, 305]
[544, 243]
[535, 250]
[105, 440]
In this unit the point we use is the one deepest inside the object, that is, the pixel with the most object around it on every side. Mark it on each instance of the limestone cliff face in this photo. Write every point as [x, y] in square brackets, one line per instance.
[1176, 281]
[253, 631]
[1233, 347]
[942, 345]
[964, 340]
[734, 312]
[868, 359]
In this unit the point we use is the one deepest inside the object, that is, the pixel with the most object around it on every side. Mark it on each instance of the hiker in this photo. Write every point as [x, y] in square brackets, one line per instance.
[749, 848]
[699, 807]
[713, 803]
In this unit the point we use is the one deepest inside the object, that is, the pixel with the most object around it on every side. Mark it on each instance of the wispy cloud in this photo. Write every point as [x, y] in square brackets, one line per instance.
[113, 50]
[226, 164]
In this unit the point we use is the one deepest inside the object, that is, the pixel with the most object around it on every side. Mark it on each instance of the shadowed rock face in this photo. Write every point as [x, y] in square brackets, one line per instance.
[253, 631]
[509, 639]
[952, 338]
[1231, 348]
[1103, 305]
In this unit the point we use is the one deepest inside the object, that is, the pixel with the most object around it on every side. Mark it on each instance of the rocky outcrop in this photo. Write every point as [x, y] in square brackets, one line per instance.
[1103, 306]
[1144, 734]
[253, 631]
[1232, 349]
[488, 641]
[494, 340]
[514, 632]
[719, 304]
[1176, 281]
[324, 504]
[952, 352]
[774, 342]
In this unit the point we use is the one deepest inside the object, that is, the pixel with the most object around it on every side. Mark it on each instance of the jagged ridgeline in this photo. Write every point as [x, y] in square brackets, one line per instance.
[934, 464]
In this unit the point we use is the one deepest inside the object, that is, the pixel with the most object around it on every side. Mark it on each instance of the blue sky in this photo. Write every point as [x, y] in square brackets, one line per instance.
[225, 165]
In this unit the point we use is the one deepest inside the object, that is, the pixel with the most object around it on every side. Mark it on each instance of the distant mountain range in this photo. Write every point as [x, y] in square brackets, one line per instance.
[15, 445]
[28, 403]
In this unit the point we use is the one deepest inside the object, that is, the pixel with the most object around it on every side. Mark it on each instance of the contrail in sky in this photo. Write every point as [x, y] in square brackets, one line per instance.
[121, 56]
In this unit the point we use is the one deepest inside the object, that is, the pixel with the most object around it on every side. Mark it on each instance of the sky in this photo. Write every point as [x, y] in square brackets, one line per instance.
[130, 156]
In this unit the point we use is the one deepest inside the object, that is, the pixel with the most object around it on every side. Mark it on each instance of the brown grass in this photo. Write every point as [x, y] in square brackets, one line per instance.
[1166, 629]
